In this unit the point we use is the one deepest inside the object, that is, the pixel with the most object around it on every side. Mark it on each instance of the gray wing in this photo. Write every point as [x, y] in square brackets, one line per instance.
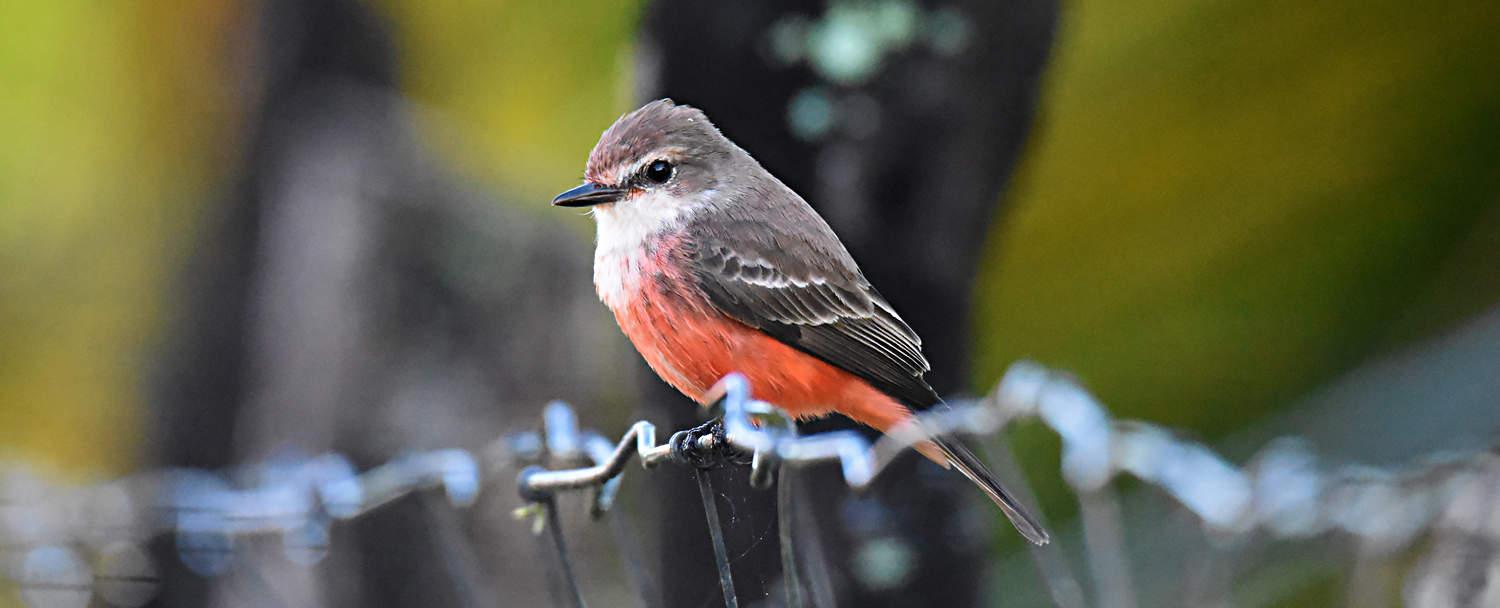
[804, 290]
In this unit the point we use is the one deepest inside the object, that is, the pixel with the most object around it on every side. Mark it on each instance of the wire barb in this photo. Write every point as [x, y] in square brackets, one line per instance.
[751, 432]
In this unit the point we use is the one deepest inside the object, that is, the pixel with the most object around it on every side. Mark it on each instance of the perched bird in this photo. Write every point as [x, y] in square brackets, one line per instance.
[711, 265]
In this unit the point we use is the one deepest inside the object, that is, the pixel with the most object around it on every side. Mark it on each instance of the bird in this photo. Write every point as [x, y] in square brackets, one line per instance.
[712, 265]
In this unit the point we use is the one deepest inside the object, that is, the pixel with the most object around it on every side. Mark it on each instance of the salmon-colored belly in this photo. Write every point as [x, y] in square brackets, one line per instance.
[691, 346]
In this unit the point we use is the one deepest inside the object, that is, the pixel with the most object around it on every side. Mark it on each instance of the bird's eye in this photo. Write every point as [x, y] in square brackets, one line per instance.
[658, 172]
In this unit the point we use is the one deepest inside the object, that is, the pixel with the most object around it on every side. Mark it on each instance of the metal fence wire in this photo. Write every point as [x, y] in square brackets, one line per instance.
[67, 545]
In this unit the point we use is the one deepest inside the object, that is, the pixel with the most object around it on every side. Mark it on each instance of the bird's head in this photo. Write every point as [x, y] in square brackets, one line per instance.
[654, 166]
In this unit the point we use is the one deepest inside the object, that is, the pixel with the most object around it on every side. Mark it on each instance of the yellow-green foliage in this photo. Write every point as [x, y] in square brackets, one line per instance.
[110, 117]
[528, 86]
[1228, 203]
[117, 121]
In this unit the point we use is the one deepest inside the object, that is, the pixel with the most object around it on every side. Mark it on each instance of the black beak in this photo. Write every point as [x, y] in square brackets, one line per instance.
[588, 195]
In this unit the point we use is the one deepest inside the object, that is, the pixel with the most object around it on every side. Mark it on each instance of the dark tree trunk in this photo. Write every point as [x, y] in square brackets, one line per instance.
[905, 147]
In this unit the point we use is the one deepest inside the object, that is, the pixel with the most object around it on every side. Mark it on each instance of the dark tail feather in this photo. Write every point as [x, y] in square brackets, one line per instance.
[970, 465]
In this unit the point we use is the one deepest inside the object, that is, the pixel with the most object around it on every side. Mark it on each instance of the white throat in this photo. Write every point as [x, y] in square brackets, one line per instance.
[625, 227]
[624, 230]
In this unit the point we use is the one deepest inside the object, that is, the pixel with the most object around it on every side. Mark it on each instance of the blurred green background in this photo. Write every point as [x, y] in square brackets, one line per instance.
[1212, 188]
[1227, 205]
[1223, 205]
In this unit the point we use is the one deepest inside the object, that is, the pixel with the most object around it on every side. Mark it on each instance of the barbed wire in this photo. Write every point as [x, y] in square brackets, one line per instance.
[1282, 491]
[64, 545]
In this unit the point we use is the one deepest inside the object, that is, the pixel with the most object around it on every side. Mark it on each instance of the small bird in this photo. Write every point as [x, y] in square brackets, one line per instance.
[711, 265]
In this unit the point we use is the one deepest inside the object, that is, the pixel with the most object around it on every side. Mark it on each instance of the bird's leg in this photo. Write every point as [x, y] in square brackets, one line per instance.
[706, 447]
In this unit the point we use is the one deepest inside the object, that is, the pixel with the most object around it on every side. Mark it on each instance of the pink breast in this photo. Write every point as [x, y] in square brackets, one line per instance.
[669, 321]
[691, 345]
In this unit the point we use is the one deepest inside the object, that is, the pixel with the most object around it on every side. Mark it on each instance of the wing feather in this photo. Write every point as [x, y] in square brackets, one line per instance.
[824, 307]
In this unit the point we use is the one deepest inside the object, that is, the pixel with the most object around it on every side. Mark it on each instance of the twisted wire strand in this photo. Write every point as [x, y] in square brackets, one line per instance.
[58, 538]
